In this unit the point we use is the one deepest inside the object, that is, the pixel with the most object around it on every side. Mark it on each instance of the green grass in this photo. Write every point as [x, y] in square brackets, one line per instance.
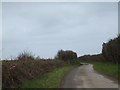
[107, 68]
[49, 80]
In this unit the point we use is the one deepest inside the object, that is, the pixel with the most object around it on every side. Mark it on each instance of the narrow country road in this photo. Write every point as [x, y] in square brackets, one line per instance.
[85, 77]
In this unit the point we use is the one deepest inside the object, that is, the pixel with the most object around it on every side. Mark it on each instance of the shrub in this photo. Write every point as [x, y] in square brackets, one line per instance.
[25, 56]
[26, 67]
[16, 72]
[67, 56]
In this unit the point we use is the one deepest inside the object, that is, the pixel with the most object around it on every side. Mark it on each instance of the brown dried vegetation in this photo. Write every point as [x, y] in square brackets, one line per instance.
[26, 67]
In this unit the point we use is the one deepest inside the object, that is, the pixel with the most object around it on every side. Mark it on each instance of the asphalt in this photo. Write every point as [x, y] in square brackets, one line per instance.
[86, 77]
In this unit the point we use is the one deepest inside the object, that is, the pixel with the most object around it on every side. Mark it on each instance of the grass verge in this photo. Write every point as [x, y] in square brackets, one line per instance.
[49, 80]
[108, 69]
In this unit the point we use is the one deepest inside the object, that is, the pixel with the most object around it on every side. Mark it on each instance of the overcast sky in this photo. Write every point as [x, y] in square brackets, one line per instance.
[45, 28]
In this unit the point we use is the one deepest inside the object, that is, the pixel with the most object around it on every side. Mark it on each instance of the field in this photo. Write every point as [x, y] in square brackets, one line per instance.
[108, 69]
[49, 80]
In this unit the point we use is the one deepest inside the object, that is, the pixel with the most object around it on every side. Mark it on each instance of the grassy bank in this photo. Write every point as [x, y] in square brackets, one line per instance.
[49, 80]
[16, 72]
[107, 68]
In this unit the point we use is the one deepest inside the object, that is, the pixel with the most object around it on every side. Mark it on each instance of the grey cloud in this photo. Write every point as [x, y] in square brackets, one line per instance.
[44, 28]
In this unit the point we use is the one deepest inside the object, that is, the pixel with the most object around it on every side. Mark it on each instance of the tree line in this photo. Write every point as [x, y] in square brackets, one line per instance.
[111, 50]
